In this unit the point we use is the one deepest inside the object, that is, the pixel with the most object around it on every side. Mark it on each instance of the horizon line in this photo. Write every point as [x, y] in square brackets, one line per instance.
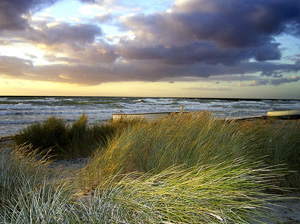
[217, 98]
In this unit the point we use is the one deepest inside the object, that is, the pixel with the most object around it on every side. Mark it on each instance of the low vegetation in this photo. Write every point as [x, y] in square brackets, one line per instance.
[277, 142]
[61, 140]
[198, 139]
[230, 192]
[189, 168]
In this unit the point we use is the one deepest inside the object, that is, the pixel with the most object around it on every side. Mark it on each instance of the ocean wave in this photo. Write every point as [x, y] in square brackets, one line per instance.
[6, 122]
[17, 112]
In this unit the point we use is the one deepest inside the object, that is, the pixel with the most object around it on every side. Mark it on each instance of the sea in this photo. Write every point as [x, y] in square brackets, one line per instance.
[16, 113]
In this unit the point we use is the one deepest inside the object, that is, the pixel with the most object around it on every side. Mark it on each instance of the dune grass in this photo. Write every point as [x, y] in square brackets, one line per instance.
[186, 168]
[190, 139]
[229, 192]
[279, 143]
[28, 195]
[61, 140]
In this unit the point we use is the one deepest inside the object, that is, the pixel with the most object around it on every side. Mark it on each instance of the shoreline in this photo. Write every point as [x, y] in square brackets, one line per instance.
[9, 136]
[19, 112]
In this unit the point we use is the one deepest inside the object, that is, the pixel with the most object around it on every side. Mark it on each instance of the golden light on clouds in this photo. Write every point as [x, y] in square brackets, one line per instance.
[64, 76]
[142, 89]
[155, 89]
[42, 46]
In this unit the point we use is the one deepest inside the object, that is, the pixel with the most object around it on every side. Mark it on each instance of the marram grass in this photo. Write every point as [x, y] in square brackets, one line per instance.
[61, 140]
[196, 139]
[280, 144]
[226, 193]
[192, 139]
[183, 169]
[28, 194]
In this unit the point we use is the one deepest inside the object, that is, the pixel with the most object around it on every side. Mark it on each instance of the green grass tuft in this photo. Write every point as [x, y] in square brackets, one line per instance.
[192, 139]
[53, 133]
[60, 140]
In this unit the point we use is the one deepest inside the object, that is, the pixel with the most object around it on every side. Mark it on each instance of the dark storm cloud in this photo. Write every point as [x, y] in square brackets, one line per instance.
[196, 38]
[14, 67]
[211, 32]
[100, 53]
[65, 33]
[14, 13]
[196, 34]
[76, 74]
[260, 82]
[274, 81]
[77, 42]
[91, 54]
[204, 52]
[142, 71]
[237, 23]
[81, 51]
[93, 74]
[280, 81]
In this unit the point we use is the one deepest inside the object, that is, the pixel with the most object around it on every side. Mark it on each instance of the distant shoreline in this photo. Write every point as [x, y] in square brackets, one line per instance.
[156, 97]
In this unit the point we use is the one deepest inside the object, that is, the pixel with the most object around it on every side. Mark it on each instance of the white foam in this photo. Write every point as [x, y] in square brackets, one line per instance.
[23, 111]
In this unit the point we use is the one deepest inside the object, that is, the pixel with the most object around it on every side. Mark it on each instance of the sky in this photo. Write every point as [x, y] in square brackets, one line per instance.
[158, 48]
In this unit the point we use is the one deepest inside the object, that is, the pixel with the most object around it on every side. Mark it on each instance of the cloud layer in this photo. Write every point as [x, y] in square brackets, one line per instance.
[195, 38]
[14, 14]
